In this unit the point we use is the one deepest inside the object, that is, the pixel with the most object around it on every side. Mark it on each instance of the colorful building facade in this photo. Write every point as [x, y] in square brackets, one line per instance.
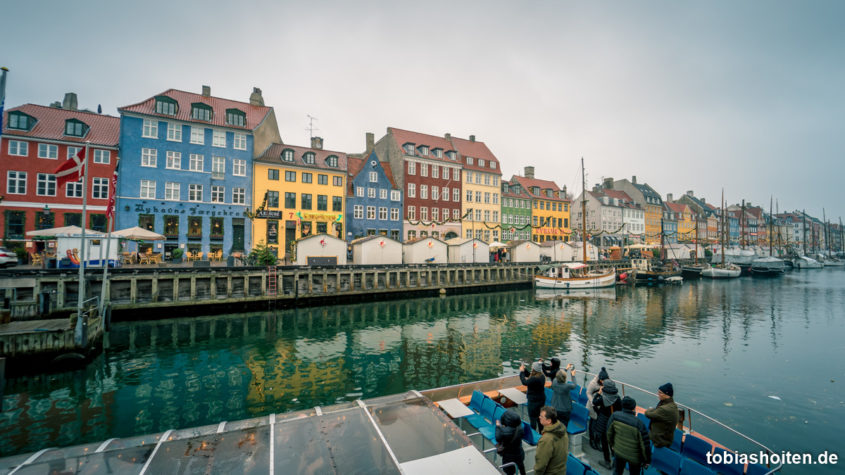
[373, 201]
[516, 213]
[549, 207]
[481, 190]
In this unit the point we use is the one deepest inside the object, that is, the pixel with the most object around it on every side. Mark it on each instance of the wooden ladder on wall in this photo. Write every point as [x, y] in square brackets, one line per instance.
[272, 281]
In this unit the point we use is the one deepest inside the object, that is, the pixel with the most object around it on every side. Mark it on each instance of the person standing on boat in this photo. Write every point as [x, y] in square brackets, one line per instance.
[550, 370]
[561, 397]
[553, 447]
[628, 439]
[664, 417]
[509, 434]
[535, 383]
[593, 388]
[605, 404]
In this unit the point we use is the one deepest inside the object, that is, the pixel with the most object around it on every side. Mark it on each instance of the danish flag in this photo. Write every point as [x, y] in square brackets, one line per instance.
[72, 169]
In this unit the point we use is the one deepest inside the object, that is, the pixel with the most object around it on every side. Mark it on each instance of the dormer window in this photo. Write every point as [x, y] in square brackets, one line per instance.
[287, 155]
[470, 161]
[408, 148]
[535, 190]
[201, 111]
[308, 158]
[166, 105]
[423, 150]
[504, 187]
[20, 121]
[452, 155]
[492, 164]
[438, 152]
[236, 117]
[331, 161]
[481, 162]
[549, 193]
[75, 128]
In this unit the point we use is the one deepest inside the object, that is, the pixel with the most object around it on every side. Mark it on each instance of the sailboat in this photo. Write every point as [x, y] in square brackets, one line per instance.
[576, 275]
[722, 271]
[768, 266]
[693, 271]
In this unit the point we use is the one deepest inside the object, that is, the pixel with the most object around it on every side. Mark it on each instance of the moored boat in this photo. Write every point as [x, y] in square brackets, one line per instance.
[767, 266]
[692, 271]
[574, 276]
[646, 273]
[804, 262]
[728, 271]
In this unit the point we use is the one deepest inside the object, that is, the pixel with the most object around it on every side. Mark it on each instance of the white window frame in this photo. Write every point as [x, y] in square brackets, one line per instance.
[358, 212]
[19, 179]
[173, 160]
[174, 132]
[21, 148]
[359, 191]
[238, 167]
[444, 194]
[412, 212]
[218, 194]
[373, 177]
[197, 135]
[147, 190]
[423, 192]
[238, 196]
[382, 213]
[435, 171]
[382, 193]
[435, 213]
[239, 143]
[371, 212]
[149, 129]
[73, 189]
[196, 162]
[48, 151]
[102, 156]
[435, 193]
[412, 190]
[469, 196]
[424, 169]
[424, 213]
[456, 195]
[394, 214]
[195, 193]
[100, 188]
[72, 151]
[412, 168]
[218, 138]
[371, 192]
[149, 157]
[218, 165]
[395, 196]
[456, 214]
[172, 191]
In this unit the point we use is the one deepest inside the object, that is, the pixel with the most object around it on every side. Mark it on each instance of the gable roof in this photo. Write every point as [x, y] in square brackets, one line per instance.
[273, 155]
[528, 183]
[431, 141]
[618, 194]
[254, 114]
[356, 164]
[476, 150]
[675, 207]
[50, 125]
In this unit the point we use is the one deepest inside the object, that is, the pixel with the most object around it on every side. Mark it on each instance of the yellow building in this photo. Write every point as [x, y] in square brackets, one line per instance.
[686, 224]
[305, 193]
[550, 208]
[481, 199]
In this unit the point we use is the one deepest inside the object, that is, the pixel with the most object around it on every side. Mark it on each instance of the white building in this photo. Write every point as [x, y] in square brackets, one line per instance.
[468, 251]
[524, 251]
[427, 250]
[320, 249]
[376, 250]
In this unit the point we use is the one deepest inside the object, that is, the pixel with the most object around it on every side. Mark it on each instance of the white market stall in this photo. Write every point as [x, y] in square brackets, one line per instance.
[575, 252]
[320, 249]
[376, 250]
[427, 250]
[524, 251]
[69, 239]
[556, 251]
[468, 251]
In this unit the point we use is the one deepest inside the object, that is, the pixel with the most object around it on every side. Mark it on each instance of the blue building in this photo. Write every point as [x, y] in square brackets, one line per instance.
[186, 168]
[374, 202]
[669, 224]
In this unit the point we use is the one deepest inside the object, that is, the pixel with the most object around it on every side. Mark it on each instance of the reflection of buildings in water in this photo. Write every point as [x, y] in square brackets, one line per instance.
[481, 351]
[550, 333]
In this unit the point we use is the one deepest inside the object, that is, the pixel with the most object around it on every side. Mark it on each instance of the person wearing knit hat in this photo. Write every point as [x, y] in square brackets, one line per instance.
[605, 403]
[592, 389]
[535, 382]
[628, 439]
[664, 417]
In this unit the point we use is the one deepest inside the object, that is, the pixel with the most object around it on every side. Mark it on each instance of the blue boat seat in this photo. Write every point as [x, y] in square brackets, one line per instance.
[574, 466]
[696, 449]
[582, 397]
[691, 467]
[578, 420]
[734, 468]
[478, 420]
[590, 471]
[665, 461]
[476, 400]
[677, 441]
[529, 435]
[549, 395]
[645, 419]
[574, 393]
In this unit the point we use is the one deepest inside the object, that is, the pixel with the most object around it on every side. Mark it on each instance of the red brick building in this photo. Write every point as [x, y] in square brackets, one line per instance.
[35, 140]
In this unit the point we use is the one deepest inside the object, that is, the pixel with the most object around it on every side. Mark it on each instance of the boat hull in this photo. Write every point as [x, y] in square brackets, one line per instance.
[691, 272]
[652, 277]
[721, 273]
[589, 282]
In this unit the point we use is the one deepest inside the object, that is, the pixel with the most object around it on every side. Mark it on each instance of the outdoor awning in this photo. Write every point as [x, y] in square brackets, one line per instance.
[136, 233]
[61, 231]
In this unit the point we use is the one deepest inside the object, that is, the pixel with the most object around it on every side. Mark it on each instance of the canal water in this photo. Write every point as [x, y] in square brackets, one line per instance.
[764, 356]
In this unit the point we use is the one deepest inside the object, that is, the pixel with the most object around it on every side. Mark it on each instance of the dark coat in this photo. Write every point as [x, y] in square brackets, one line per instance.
[562, 399]
[552, 450]
[510, 434]
[536, 385]
[551, 369]
[603, 412]
[664, 419]
[628, 437]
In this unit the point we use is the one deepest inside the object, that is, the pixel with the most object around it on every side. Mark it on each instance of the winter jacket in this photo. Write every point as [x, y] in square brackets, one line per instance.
[536, 385]
[561, 399]
[552, 450]
[628, 437]
[603, 412]
[551, 369]
[592, 389]
[664, 419]
[510, 434]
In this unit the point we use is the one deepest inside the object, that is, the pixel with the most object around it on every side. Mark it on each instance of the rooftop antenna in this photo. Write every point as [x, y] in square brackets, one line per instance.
[311, 129]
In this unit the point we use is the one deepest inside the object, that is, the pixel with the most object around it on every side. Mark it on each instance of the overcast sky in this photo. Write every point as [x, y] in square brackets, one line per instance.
[685, 95]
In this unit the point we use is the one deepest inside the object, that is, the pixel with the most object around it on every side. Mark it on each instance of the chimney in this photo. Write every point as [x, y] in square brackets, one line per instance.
[472, 138]
[669, 197]
[448, 136]
[529, 172]
[690, 193]
[206, 91]
[256, 99]
[69, 101]
[634, 179]
[608, 183]
[317, 143]
[564, 192]
[371, 142]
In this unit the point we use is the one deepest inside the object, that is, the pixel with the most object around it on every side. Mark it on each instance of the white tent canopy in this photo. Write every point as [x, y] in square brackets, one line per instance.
[136, 233]
[62, 231]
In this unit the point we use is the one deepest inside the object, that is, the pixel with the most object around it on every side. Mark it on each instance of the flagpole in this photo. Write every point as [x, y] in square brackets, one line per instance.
[110, 224]
[79, 337]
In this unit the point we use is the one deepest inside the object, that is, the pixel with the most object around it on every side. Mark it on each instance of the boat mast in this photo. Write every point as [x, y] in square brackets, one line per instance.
[771, 229]
[804, 229]
[724, 222]
[696, 238]
[742, 226]
[583, 212]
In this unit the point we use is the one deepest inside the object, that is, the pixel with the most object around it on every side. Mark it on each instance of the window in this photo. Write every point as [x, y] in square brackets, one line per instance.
[382, 193]
[358, 212]
[481, 162]
[218, 138]
[218, 167]
[16, 183]
[495, 216]
[165, 105]
[337, 203]
[148, 189]
[438, 152]
[486, 215]
[18, 148]
[235, 117]
[75, 128]
[371, 192]
[200, 112]
[322, 203]
[195, 193]
[435, 171]
[273, 174]
[424, 192]
[412, 190]
[149, 157]
[394, 195]
[15, 224]
[487, 197]
[150, 129]
[412, 212]
[371, 212]
[196, 162]
[373, 177]
[20, 121]
[216, 228]
[456, 214]
[290, 176]
[478, 178]
[337, 181]
[100, 189]
[239, 142]
[359, 191]
[424, 213]
[101, 156]
[306, 201]
[307, 177]
[197, 135]
[408, 148]
[194, 227]
[171, 191]
[73, 189]
[287, 155]
[218, 194]
[322, 179]
[469, 177]
[470, 161]
[456, 195]
[308, 158]
[331, 161]
[423, 169]
[445, 194]
[239, 167]
[478, 197]
[435, 214]
[174, 160]
[435, 193]
[382, 213]
[478, 215]
[174, 132]
[495, 198]
[46, 185]
[48, 151]
[486, 179]
[412, 168]
[272, 199]
[394, 214]
[171, 226]
[423, 150]
[469, 196]
[290, 200]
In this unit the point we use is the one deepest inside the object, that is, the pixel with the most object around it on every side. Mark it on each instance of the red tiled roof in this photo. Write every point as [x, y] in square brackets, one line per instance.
[676, 207]
[254, 114]
[619, 195]
[432, 141]
[528, 183]
[50, 125]
[476, 150]
[389, 172]
[354, 166]
[273, 155]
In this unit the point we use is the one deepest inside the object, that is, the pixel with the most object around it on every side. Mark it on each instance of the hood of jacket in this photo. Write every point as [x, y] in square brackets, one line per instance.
[511, 419]
[557, 429]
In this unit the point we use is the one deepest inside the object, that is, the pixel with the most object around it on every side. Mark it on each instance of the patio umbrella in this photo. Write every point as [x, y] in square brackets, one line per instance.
[497, 244]
[62, 231]
[136, 233]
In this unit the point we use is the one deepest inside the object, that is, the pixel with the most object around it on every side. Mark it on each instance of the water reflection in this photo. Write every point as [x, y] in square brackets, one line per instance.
[180, 373]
